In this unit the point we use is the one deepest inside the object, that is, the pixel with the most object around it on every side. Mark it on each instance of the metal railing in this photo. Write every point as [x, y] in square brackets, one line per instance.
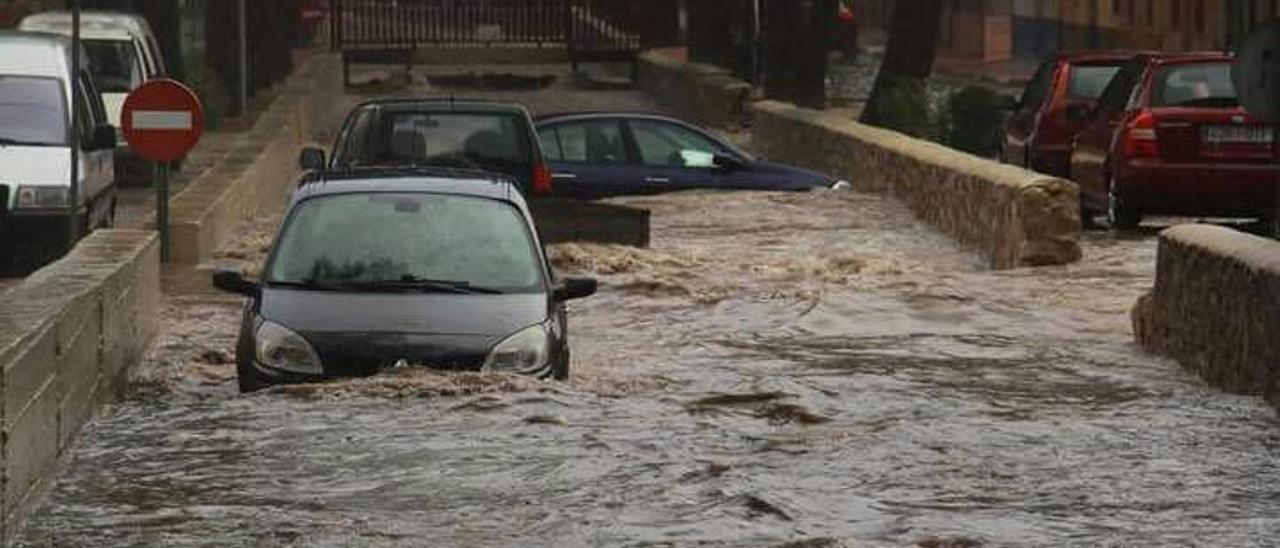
[412, 24]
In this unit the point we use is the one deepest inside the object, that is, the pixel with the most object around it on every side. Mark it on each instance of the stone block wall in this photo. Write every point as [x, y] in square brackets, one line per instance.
[69, 336]
[1215, 308]
[1013, 216]
[701, 92]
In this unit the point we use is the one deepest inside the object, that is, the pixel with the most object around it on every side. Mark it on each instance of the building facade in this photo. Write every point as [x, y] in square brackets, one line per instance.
[996, 30]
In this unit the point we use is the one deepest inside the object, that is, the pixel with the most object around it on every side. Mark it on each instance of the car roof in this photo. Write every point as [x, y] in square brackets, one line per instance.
[128, 22]
[34, 54]
[465, 182]
[1192, 57]
[596, 114]
[88, 30]
[1089, 56]
[446, 104]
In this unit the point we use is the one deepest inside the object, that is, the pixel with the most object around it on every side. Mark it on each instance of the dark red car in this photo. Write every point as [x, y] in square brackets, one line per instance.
[1053, 108]
[1169, 137]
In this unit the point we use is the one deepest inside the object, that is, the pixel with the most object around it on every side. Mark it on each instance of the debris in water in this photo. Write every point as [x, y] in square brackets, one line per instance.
[786, 413]
[956, 542]
[760, 507]
[554, 420]
[739, 399]
[820, 542]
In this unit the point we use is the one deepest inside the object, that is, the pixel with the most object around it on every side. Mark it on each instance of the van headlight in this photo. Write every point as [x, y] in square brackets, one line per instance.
[43, 197]
[277, 347]
[527, 351]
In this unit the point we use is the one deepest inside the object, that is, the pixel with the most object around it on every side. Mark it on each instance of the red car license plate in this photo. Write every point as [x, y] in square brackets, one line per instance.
[1252, 135]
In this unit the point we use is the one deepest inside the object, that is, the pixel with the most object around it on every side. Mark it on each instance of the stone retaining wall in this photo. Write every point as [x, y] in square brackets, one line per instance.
[1216, 308]
[69, 335]
[259, 173]
[705, 93]
[1013, 216]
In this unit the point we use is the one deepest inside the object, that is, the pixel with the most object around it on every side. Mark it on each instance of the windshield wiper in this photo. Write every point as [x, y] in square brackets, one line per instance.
[414, 283]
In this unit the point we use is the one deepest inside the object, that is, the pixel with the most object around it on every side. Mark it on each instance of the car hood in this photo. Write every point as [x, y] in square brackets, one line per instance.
[796, 177]
[23, 165]
[360, 333]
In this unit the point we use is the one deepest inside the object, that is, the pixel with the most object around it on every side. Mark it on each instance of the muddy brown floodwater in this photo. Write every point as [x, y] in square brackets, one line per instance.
[814, 369]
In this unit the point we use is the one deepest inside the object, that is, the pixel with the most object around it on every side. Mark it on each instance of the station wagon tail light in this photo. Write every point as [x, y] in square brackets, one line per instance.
[1139, 138]
[541, 180]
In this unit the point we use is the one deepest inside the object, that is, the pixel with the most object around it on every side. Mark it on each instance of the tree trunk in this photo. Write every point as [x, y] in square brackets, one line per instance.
[817, 19]
[908, 60]
[797, 39]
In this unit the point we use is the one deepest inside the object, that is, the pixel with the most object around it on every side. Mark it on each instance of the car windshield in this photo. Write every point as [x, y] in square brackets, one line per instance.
[32, 112]
[114, 64]
[1089, 81]
[381, 237]
[1195, 85]
[452, 140]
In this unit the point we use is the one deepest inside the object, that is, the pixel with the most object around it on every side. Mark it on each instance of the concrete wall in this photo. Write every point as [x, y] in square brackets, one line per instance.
[69, 335]
[260, 171]
[707, 94]
[1013, 216]
[1216, 308]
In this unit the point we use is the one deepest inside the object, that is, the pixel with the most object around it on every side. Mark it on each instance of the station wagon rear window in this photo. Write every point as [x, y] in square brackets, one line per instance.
[32, 112]
[1195, 85]
[454, 140]
[1089, 81]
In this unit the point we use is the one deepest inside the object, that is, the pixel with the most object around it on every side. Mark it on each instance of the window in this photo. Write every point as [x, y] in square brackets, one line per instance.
[595, 142]
[115, 65]
[1115, 98]
[32, 111]
[371, 237]
[669, 145]
[1039, 87]
[451, 139]
[355, 138]
[1195, 85]
[1089, 81]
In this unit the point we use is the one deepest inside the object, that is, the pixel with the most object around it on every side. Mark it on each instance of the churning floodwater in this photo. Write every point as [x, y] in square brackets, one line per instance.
[779, 369]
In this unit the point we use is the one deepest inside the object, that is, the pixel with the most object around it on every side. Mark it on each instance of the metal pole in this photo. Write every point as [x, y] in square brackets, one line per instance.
[73, 194]
[244, 59]
[162, 207]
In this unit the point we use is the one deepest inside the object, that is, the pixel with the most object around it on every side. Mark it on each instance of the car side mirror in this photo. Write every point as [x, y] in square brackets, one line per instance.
[232, 281]
[724, 162]
[104, 137]
[574, 288]
[1078, 111]
[311, 159]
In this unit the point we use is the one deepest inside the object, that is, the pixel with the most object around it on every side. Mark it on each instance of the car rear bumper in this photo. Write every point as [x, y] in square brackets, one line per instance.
[1197, 189]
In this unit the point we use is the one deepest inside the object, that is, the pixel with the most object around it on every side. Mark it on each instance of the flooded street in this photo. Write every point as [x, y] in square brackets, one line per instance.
[811, 369]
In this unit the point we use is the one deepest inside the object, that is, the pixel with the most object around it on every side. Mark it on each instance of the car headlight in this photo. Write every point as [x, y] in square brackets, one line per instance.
[842, 185]
[279, 348]
[43, 197]
[527, 351]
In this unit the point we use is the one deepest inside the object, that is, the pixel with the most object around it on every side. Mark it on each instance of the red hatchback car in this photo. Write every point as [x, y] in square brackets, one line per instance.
[1169, 137]
[1053, 108]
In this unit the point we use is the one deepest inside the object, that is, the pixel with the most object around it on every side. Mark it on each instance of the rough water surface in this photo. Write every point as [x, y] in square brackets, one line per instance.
[803, 370]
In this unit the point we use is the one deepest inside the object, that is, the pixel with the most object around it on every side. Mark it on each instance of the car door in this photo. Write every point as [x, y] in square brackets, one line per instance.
[97, 162]
[673, 156]
[1021, 127]
[589, 158]
[1091, 152]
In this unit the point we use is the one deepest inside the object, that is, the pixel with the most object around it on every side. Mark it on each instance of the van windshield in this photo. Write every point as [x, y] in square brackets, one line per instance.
[32, 112]
[114, 64]
[365, 238]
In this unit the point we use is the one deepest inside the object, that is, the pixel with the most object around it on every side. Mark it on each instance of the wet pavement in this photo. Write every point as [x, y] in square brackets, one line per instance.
[817, 369]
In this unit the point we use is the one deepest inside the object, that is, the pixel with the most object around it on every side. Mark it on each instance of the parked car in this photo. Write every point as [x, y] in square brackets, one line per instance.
[1053, 109]
[375, 267]
[1168, 136]
[122, 55]
[36, 137]
[594, 155]
[485, 135]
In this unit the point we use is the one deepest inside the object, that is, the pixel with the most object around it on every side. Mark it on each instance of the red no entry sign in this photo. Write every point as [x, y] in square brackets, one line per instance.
[162, 120]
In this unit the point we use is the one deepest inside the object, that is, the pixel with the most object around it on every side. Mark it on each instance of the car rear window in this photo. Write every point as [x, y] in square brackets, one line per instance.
[1089, 81]
[371, 237]
[453, 140]
[1194, 85]
[114, 64]
[32, 111]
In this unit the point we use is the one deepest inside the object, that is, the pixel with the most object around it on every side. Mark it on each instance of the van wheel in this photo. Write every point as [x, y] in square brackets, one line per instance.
[1120, 215]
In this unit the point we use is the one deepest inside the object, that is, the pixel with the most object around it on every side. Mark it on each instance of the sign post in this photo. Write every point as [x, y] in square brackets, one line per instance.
[162, 121]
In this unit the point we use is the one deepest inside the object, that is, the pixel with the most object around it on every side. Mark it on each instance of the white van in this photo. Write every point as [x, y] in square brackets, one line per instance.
[35, 148]
[123, 54]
